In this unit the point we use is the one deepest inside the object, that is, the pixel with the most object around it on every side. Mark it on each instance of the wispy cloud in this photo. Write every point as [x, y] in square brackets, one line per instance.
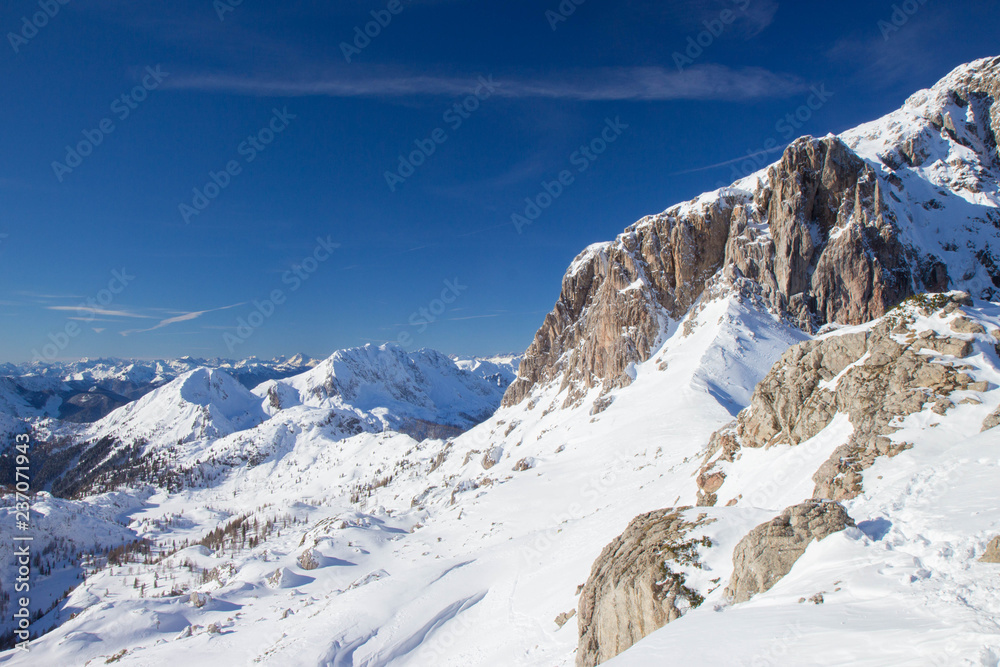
[703, 82]
[183, 317]
[472, 317]
[36, 295]
[751, 17]
[93, 319]
[726, 163]
[759, 16]
[101, 311]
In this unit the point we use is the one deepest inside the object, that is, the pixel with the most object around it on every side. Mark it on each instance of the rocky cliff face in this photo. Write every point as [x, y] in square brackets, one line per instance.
[908, 360]
[841, 229]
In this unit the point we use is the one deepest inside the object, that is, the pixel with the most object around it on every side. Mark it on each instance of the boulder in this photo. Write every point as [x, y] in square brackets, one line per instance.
[564, 617]
[770, 550]
[992, 420]
[637, 584]
[308, 560]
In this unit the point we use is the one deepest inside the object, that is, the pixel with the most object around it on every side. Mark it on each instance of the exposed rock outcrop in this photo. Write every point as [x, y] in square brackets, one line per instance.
[616, 297]
[824, 235]
[564, 617]
[307, 560]
[199, 600]
[770, 550]
[992, 420]
[637, 585]
[874, 376]
[992, 553]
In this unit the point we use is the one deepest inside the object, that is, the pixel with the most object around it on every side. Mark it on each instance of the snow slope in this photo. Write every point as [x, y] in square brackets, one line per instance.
[463, 552]
[198, 406]
[464, 556]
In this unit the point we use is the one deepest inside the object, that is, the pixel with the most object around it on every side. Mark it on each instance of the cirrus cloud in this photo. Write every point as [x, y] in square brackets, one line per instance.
[640, 84]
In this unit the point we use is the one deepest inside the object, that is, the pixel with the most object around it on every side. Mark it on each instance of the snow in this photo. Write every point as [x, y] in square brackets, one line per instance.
[445, 531]
[773, 477]
[200, 405]
[903, 588]
[913, 596]
[585, 257]
[455, 565]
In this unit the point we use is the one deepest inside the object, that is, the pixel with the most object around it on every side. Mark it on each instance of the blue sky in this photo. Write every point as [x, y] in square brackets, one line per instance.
[175, 183]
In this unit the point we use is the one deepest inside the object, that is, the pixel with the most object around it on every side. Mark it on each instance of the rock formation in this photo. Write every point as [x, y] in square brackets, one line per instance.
[992, 553]
[875, 376]
[307, 560]
[992, 420]
[827, 234]
[770, 550]
[637, 584]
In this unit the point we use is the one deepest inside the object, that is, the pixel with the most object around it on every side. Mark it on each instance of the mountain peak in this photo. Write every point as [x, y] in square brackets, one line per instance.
[839, 230]
[199, 405]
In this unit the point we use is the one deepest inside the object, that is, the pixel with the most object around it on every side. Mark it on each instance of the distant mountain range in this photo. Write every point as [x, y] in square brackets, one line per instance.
[760, 427]
[86, 390]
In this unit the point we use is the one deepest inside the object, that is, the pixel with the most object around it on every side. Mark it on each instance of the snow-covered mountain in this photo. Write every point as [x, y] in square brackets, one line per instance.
[175, 434]
[86, 390]
[840, 229]
[200, 405]
[159, 371]
[735, 440]
[424, 393]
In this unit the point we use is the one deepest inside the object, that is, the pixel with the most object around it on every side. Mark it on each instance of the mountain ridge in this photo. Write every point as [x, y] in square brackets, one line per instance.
[821, 236]
[340, 540]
